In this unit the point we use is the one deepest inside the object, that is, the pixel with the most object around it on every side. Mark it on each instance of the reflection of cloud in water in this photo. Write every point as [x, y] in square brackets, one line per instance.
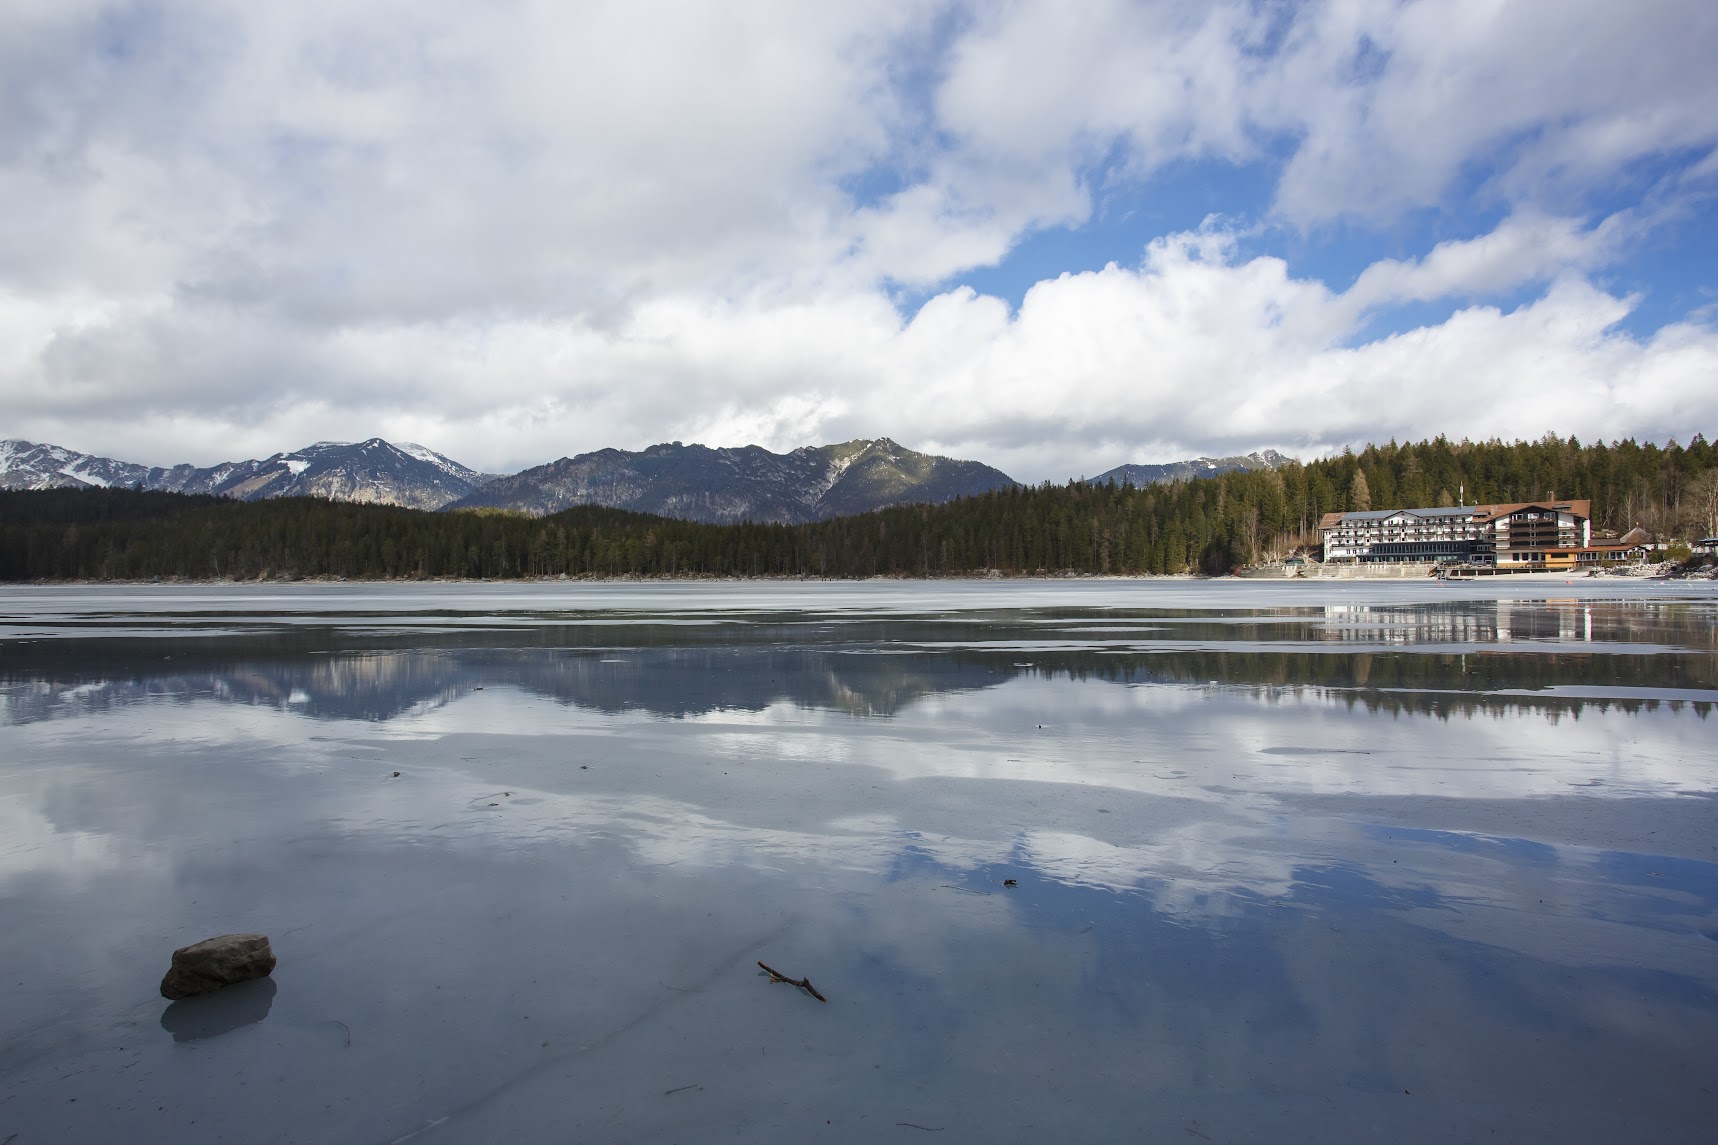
[1204, 744]
[1233, 899]
[1194, 869]
[1201, 858]
[32, 842]
[1134, 777]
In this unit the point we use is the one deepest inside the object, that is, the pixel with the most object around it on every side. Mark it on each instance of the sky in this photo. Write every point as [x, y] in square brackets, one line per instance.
[1051, 236]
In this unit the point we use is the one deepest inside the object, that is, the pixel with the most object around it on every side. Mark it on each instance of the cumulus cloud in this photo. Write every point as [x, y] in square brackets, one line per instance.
[531, 230]
[1388, 104]
[1394, 101]
[1521, 250]
[1197, 348]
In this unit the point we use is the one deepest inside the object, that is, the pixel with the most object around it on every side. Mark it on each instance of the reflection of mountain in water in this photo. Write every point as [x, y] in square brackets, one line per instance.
[667, 681]
[690, 681]
[662, 681]
[373, 686]
[1437, 658]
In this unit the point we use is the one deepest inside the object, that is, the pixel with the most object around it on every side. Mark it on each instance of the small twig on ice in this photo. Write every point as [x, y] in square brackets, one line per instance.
[802, 983]
[926, 1128]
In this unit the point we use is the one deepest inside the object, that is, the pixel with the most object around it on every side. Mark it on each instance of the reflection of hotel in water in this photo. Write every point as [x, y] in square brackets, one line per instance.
[1464, 624]
[1671, 624]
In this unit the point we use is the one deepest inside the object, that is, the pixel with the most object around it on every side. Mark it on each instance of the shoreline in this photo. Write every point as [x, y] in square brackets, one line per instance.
[1036, 578]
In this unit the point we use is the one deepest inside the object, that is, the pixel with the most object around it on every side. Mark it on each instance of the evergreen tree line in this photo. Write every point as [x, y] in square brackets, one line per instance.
[1209, 524]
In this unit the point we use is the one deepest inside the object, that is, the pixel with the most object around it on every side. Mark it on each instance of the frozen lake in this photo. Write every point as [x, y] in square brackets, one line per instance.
[1079, 861]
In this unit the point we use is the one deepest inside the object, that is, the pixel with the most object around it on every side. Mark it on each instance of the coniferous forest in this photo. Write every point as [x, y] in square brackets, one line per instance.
[1208, 525]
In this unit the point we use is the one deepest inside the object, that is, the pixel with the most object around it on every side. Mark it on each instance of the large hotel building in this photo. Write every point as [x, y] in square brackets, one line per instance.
[1517, 538]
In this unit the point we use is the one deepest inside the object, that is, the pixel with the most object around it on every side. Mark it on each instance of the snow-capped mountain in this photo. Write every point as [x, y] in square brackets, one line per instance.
[691, 482]
[697, 483]
[26, 465]
[372, 471]
[1185, 470]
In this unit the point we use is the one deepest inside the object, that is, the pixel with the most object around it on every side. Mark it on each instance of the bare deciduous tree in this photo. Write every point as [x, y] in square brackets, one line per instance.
[1701, 502]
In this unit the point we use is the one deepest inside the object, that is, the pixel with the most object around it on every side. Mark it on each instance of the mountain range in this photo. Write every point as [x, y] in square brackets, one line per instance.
[373, 472]
[691, 482]
[1196, 467]
[748, 483]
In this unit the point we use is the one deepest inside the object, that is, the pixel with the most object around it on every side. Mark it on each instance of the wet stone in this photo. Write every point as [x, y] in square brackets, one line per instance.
[207, 966]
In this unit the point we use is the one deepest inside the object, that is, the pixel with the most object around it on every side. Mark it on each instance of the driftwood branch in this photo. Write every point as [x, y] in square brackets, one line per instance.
[802, 983]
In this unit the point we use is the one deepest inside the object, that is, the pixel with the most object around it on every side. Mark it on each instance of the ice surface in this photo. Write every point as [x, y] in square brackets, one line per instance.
[1322, 866]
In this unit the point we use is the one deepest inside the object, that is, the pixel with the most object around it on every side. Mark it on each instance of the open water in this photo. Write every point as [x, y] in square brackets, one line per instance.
[1086, 861]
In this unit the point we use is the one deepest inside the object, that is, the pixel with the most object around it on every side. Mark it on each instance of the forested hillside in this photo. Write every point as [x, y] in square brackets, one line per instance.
[1207, 525]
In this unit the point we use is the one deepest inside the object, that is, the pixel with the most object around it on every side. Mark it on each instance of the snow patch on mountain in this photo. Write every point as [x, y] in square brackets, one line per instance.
[87, 478]
[426, 454]
[373, 471]
[421, 452]
[748, 483]
[1163, 473]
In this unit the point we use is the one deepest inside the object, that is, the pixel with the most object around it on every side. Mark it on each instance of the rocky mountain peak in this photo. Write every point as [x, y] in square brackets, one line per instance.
[745, 483]
[374, 471]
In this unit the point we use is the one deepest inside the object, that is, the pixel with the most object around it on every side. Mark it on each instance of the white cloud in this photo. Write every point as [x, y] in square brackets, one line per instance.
[1521, 250]
[531, 229]
[1196, 348]
[1039, 81]
[1388, 104]
[1550, 97]
[1195, 351]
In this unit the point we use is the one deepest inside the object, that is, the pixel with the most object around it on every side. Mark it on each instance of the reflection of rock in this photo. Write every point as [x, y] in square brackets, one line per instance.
[243, 1005]
[206, 966]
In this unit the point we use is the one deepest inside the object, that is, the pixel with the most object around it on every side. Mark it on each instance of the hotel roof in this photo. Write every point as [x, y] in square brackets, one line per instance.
[1582, 508]
[1480, 513]
[1331, 520]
